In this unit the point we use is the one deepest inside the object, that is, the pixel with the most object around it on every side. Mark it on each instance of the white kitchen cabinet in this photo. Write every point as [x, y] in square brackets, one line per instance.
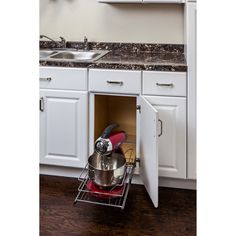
[172, 139]
[160, 149]
[63, 116]
[154, 118]
[143, 1]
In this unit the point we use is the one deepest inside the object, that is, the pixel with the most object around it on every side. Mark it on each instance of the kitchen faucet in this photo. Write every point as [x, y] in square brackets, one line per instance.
[60, 44]
[86, 48]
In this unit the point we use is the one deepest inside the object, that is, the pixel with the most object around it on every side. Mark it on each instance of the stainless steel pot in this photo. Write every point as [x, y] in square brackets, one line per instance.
[106, 171]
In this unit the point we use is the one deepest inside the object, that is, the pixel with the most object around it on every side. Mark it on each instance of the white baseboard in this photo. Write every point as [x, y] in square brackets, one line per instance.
[75, 173]
[60, 171]
[178, 183]
[170, 183]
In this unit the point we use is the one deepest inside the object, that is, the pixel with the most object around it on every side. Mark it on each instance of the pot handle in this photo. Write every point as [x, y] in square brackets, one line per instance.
[106, 133]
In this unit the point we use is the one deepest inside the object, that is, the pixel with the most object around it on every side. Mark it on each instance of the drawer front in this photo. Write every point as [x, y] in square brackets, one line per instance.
[164, 83]
[63, 78]
[115, 81]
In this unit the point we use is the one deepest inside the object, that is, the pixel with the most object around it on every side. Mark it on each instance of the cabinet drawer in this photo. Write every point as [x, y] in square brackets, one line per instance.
[164, 83]
[115, 81]
[63, 78]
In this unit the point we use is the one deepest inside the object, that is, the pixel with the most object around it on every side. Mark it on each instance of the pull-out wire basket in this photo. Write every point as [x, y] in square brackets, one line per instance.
[112, 198]
[115, 197]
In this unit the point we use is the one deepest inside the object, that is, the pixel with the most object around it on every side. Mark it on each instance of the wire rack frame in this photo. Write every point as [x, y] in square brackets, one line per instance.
[105, 199]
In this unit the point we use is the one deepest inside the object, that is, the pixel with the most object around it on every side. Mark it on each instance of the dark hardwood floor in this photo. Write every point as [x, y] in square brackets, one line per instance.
[175, 216]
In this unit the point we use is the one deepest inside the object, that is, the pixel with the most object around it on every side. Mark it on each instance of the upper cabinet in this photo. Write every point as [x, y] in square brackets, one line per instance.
[142, 1]
[163, 1]
[121, 1]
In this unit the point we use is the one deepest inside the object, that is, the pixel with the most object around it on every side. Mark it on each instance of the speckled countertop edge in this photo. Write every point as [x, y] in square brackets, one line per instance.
[127, 56]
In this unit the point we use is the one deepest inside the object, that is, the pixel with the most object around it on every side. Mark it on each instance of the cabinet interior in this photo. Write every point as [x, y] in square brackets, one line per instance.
[120, 110]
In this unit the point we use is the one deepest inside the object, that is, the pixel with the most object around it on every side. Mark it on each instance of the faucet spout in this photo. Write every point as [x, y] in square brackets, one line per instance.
[63, 42]
[60, 44]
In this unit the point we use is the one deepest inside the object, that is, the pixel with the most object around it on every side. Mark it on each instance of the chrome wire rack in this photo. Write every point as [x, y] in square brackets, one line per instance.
[112, 197]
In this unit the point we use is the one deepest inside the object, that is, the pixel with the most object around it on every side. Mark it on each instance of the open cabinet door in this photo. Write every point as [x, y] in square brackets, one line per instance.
[149, 149]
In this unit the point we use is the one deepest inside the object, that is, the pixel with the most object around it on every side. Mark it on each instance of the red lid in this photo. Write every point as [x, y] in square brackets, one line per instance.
[102, 193]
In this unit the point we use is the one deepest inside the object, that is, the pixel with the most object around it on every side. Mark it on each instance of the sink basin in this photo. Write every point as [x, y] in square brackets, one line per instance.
[81, 56]
[76, 55]
[46, 53]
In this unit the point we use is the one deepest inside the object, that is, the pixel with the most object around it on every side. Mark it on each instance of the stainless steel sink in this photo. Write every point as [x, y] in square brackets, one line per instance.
[79, 56]
[46, 53]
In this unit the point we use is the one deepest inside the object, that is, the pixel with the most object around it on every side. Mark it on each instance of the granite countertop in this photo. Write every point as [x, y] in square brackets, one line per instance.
[155, 57]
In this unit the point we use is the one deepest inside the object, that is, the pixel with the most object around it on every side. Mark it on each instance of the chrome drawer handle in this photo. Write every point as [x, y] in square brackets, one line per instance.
[115, 82]
[48, 79]
[161, 127]
[165, 85]
[41, 104]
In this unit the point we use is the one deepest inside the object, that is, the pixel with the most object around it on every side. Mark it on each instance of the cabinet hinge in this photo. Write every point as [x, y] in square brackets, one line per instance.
[138, 107]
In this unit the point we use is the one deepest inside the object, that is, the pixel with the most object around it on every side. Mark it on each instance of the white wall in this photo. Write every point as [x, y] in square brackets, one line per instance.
[138, 23]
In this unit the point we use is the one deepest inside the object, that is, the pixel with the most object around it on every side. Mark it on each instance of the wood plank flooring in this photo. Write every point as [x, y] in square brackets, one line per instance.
[175, 216]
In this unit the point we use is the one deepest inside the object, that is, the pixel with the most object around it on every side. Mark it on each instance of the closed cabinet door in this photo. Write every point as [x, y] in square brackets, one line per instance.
[172, 135]
[63, 128]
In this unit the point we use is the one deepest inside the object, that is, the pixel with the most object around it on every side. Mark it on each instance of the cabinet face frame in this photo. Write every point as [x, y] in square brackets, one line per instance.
[75, 151]
[146, 141]
[92, 119]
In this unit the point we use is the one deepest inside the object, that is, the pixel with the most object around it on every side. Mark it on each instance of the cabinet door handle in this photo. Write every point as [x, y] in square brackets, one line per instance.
[41, 104]
[115, 82]
[161, 127]
[165, 85]
[47, 79]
